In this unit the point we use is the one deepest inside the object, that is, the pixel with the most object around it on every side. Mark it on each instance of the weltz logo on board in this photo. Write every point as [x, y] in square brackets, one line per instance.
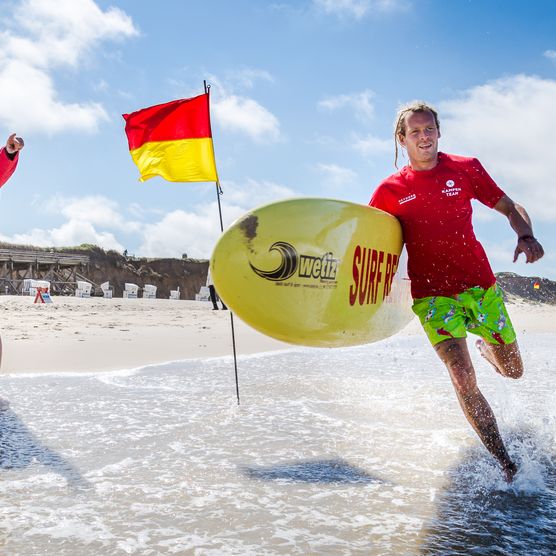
[306, 266]
[370, 269]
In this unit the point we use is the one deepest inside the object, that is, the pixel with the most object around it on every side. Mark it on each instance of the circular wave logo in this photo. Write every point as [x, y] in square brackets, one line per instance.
[287, 266]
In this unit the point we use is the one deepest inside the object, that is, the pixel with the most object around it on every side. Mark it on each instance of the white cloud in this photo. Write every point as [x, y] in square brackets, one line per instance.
[99, 220]
[336, 176]
[89, 219]
[238, 113]
[247, 77]
[139, 211]
[59, 33]
[94, 209]
[509, 124]
[70, 233]
[358, 8]
[360, 103]
[196, 232]
[179, 232]
[35, 107]
[245, 115]
[254, 193]
[41, 36]
[550, 54]
[373, 146]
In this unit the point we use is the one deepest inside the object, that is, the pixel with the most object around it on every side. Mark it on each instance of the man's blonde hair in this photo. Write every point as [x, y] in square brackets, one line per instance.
[413, 107]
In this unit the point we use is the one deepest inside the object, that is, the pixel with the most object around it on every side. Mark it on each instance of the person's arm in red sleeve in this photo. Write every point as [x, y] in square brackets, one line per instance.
[9, 157]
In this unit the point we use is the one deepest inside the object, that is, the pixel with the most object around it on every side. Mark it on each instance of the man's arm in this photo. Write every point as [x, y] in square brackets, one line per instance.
[521, 224]
[9, 157]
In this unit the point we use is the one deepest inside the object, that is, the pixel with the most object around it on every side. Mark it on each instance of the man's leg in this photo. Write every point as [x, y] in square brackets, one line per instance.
[498, 343]
[455, 355]
[212, 292]
[505, 358]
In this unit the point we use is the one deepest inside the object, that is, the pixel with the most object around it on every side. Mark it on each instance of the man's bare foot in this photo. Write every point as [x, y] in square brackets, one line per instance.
[482, 348]
[509, 470]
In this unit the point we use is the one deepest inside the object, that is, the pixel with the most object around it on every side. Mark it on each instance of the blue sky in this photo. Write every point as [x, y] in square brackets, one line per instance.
[303, 98]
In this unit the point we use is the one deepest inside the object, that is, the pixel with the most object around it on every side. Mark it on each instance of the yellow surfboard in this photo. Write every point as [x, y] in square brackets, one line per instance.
[314, 272]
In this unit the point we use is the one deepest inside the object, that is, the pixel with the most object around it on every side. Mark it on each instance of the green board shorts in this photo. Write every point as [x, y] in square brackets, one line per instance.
[476, 310]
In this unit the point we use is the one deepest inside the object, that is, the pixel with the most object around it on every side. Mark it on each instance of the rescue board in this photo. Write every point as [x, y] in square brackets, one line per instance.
[315, 272]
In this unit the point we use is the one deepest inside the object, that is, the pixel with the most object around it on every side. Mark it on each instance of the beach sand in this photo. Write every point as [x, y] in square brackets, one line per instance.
[79, 335]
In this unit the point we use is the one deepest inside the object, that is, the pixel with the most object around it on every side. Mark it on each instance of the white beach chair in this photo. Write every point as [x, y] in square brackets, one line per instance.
[149, 291]
[175, 294]
[130, 290]
[34, 284]
[27, 284]
[83, 289]
[203, 295]
[106, 290]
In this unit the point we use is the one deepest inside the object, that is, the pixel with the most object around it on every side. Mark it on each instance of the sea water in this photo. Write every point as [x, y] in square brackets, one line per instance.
[346, 451]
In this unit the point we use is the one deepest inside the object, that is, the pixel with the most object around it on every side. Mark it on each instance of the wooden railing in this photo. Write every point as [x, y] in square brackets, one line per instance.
[42, 257]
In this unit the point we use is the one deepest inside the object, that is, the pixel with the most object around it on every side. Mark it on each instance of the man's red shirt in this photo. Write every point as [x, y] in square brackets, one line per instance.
[434, 209]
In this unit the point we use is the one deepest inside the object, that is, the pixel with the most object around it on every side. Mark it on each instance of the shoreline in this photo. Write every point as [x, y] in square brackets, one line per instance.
[76, 335]
[96, 334]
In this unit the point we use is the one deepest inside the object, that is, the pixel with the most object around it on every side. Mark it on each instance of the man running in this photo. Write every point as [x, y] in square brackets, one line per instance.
[452, 284]
[9, 157]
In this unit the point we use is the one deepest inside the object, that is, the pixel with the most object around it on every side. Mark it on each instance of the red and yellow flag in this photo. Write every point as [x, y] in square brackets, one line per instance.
[173, 140]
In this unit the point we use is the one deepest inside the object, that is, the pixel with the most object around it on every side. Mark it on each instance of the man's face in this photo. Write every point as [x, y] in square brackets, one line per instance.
[421, 140]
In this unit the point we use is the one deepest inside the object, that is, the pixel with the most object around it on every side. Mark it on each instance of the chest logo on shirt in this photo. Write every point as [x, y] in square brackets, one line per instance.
[451, 190]
[411, 197]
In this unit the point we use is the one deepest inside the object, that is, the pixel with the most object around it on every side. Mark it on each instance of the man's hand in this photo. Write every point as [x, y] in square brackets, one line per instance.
[530, 247]
[14, 144]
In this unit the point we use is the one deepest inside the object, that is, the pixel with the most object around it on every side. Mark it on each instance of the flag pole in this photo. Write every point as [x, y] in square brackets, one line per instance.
[218, 194]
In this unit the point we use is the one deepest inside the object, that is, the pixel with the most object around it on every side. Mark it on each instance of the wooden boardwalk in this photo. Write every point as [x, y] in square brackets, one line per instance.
[61, 269]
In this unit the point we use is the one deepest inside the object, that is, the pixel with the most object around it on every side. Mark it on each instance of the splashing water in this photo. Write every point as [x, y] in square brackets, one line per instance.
[349, 451]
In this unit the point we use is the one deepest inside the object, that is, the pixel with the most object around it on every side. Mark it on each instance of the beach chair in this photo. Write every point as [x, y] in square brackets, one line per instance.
[33, 286]
[149, 291]
[26, 288]
[175, 294]
[83, 289]
[106, 290]
[130, 290]
[203, 295]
